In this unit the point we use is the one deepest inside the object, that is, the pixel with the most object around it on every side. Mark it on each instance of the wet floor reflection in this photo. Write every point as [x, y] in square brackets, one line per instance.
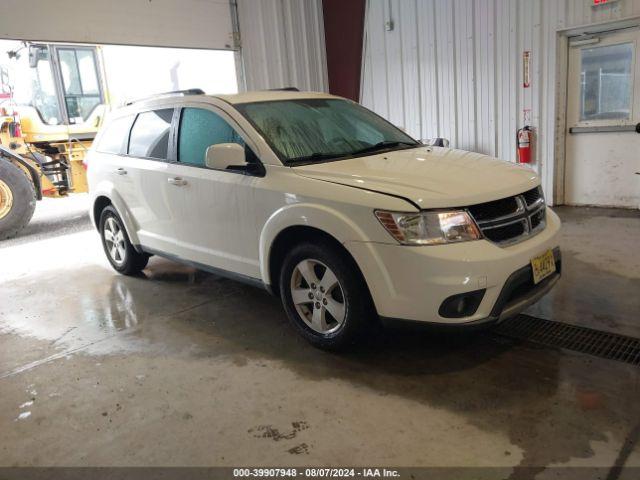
[554, 407]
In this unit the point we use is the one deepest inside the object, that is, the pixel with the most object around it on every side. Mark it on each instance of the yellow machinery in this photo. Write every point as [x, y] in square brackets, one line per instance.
[43, 141]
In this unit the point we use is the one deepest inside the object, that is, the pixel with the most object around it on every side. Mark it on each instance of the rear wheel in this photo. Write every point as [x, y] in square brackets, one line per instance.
[17, 200]
[324, 295]
[117, 246]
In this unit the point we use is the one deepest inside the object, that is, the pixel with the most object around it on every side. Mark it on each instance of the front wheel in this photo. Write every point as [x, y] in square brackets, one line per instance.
[324, 295]
[17, 200]
[117, 246]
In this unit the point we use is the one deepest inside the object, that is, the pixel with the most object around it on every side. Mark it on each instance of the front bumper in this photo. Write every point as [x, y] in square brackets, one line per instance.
[410, 283]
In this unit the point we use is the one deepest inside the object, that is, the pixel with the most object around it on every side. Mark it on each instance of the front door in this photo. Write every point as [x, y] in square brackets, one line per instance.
[603, 120]
[213, 212]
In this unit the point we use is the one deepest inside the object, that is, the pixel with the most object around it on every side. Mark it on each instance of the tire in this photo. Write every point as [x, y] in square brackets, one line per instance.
[317, 319]
[17, 200]
[117, 246]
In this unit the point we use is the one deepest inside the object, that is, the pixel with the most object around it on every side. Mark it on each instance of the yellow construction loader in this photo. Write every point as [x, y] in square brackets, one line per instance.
[43, 141]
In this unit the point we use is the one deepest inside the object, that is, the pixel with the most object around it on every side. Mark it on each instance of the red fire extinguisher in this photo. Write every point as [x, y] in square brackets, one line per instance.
[524, 137]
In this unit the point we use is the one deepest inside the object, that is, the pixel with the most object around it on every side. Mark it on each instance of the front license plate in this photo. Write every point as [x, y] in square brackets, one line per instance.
[543, 266]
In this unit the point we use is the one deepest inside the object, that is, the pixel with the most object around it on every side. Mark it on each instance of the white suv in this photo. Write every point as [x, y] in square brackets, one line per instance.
[322, 202]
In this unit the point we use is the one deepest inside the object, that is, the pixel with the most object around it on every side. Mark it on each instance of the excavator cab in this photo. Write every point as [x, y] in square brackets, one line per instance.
[48, 121]
[66, 83]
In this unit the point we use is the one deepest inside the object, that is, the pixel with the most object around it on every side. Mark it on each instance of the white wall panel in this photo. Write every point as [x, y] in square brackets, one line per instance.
[282, 44]
[165, 23]
[453, 68]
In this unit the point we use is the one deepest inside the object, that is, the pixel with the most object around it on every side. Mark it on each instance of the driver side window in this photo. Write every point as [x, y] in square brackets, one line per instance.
[199, 129]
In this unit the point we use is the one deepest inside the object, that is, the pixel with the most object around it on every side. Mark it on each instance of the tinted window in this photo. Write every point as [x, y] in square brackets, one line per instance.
[200, 129]
[150, 134]
[114, 139]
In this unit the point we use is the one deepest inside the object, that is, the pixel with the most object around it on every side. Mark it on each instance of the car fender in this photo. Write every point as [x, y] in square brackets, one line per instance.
[321, 217]
[107, 189]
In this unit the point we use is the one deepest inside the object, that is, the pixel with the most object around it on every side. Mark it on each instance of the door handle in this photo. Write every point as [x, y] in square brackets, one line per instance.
[177, 181]
[121, 171]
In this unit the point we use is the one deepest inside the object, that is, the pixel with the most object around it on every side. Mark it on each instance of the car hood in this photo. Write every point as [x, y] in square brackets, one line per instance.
[430, 177]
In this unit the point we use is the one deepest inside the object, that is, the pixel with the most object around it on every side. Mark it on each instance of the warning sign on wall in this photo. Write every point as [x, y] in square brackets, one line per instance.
[526, 64]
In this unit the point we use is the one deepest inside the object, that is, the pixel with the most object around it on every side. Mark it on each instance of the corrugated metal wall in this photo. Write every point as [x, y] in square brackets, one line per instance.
[453, 68]
[283, 44]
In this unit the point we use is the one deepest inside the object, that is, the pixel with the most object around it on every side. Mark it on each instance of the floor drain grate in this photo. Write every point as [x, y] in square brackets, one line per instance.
[572, 337]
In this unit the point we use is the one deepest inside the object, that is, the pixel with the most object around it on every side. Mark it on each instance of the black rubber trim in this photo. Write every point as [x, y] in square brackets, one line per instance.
[475, 297]
[519, 278]
[256, 282]
[481, 324]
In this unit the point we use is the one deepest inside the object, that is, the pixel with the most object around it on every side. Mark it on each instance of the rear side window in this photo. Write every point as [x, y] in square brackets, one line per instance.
[150, 134]
[200, 129]
[114, 139]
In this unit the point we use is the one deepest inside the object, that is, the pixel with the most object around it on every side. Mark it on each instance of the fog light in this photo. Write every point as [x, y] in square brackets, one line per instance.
[461, 305]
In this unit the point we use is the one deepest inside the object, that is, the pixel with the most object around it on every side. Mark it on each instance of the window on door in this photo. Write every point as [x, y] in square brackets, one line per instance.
[114, 139]
[199, 129]
[150, 134]
[80, 80]
[606, 82]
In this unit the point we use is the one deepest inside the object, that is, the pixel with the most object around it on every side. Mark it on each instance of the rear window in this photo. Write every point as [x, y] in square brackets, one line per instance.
[115, 136]
[150, 134]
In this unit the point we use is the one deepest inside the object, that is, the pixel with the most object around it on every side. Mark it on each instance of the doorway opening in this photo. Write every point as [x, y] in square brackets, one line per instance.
[602, 142]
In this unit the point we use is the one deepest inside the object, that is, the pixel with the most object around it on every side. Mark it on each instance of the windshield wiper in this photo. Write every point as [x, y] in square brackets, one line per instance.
[383, 146]
[317, 157]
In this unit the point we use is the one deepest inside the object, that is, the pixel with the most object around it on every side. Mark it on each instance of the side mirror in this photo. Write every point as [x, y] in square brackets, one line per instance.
[37, 53]
[225, 155]
[436, 142]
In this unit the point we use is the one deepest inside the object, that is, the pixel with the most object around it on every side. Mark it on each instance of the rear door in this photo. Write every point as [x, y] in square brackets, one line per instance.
[147, 154]
[603, 117]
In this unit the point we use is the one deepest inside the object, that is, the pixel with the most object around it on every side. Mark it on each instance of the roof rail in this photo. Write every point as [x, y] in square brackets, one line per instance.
[284, 89]
[190, 91]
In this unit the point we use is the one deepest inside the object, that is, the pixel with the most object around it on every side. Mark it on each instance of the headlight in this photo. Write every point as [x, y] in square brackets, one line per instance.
[429, 228]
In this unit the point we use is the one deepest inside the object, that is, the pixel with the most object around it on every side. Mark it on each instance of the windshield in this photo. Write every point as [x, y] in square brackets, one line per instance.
[313, 130]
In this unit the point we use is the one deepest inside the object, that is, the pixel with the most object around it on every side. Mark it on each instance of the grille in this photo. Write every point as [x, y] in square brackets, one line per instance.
[607, 345]
[505, 233]
[536, 219]
[532, 196]
[497, 208]
[512, 219]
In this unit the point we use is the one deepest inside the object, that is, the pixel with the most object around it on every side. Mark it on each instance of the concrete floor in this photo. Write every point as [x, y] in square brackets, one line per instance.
[185, 368]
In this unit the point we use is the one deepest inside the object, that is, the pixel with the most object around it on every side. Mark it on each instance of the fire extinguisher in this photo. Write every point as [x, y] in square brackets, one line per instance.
[524, 137]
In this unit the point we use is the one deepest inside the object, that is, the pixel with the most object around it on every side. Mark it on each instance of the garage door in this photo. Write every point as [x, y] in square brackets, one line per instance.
[164, 23]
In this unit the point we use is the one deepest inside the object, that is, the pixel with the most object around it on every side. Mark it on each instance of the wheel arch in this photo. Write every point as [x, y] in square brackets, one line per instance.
[294, 235]
[99, 204]
[103, 199]
[25, 165]
[301, 222]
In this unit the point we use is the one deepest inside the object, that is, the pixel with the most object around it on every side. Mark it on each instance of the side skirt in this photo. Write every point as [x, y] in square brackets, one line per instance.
[255, 282]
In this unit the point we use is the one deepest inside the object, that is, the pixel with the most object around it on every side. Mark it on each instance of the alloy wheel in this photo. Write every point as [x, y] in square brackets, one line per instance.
[318, 296]
[114, 240]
